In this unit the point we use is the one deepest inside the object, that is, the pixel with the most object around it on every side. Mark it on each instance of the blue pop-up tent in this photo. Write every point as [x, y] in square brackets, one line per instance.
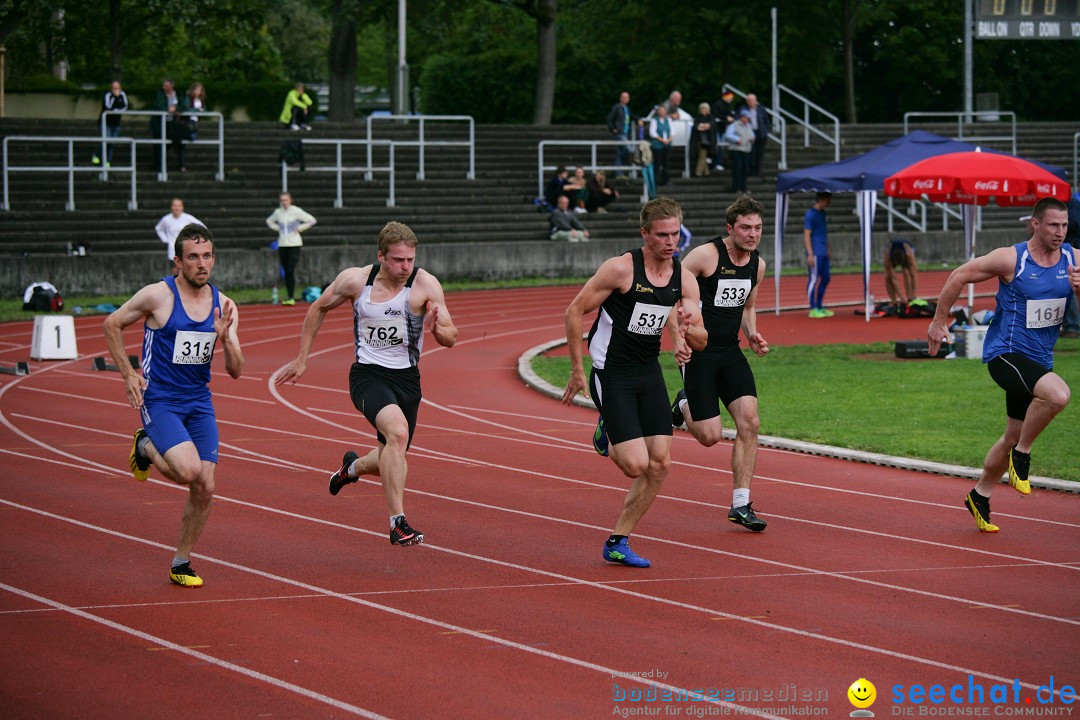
[865, 175]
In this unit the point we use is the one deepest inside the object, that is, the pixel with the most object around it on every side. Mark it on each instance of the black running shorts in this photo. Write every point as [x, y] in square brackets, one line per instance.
[716, 376]
[1017, 375]
[373, 387]
[633, 402]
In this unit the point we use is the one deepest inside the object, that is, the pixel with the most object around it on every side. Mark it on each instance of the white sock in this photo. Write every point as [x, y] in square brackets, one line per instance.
[740, 497]
[177, 561]
[394, 520]
[683, 404]
[353, 471]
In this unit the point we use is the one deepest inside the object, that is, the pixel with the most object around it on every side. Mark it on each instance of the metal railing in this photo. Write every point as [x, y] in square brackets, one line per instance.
[70, 168]
[1010, 138]
[163, 141]
[915, 215]
[1076, 155]
[779, 132]
[340, 169]
[422, 143]
[807, 125]
[593, 166]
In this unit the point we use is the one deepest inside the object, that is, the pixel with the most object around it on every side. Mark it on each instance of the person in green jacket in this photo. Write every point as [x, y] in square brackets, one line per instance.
[295, 112]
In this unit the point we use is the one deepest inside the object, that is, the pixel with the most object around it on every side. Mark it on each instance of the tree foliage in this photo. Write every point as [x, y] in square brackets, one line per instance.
[867, 59]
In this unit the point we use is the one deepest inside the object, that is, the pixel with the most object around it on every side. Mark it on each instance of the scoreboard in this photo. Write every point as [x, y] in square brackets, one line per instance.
[1027, 20]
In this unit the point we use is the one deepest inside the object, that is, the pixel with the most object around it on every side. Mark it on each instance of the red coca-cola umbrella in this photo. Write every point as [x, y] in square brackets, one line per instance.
[972, 178]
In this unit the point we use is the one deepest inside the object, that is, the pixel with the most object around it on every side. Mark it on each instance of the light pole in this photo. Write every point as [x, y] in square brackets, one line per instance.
[401, 96]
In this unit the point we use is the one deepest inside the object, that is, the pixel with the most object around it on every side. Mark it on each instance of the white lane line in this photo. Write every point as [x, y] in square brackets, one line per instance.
[508, 643]
[453, 458]
[209, 659]
[48, 460]
[584, 664]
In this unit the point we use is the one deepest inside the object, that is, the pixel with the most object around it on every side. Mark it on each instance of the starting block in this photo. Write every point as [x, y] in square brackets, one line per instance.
[100, 363]
[19, 368]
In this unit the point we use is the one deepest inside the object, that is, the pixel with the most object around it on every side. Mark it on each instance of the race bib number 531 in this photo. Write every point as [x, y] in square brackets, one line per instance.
[648, 319]
[193, 348]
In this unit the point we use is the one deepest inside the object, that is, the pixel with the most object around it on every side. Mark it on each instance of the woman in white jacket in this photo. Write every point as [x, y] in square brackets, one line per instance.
[289, 221]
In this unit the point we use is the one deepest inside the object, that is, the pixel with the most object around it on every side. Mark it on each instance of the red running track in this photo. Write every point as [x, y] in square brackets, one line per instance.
[507, 610]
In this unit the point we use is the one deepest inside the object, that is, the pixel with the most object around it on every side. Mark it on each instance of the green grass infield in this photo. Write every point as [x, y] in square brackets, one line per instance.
[862, 397]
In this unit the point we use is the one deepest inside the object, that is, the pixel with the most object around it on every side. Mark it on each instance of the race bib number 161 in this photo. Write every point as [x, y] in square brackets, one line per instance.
[648, 319]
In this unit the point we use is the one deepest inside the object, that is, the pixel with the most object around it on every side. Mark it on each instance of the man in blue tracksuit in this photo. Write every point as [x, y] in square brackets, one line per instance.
[1037, 279]
[816, 237]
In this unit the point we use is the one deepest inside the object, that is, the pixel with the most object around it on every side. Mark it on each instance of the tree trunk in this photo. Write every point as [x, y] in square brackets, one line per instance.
[342, 62]
[546, 13]
[116, 39]
[847, 19]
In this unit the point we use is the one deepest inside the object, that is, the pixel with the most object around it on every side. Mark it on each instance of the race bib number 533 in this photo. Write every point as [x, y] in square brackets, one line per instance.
[732, 293]
[193, 348]
[648, 319]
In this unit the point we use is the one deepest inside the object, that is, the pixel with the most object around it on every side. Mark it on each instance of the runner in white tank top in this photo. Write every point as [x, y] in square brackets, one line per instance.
[393, 303]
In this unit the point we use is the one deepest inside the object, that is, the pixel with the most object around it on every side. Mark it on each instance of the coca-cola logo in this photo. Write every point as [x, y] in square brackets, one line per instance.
[988, 185]
[923, 184]
[1044, 188]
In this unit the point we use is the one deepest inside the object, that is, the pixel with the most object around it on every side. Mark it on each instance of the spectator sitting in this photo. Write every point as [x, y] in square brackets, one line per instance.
[295, 112]
[600, 194]
[564, 225]
[556, 186]
[703, 137]
[578, 191]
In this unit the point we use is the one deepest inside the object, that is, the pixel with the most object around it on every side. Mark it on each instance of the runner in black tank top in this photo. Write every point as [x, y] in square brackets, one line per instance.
[635, 293]
[728, 271]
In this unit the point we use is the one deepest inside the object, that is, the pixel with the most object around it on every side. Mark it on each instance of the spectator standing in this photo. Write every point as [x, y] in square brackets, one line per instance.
[295, 112]
[621, 122]
[723, 115]
[739, 137]
[563, 224]
[168, 101]
[816, 237]
[703, 138]
[170, 225]
[600, 194]
[673, 106]
[289, 221]
[187, 126]
[760, 123]
[660, 143]
[115, 100]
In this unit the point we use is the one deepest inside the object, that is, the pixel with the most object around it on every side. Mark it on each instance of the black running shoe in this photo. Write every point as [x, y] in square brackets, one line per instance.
[979, 507]
[1019, 466]
[340, 479]
[404, 535]
[677, 418]
[745, 516]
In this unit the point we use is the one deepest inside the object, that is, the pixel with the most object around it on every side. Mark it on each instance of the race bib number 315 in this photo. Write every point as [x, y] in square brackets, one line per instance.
[383, 332]
[1045, 313]
[648, 319]
[732, 293]
[193, 348]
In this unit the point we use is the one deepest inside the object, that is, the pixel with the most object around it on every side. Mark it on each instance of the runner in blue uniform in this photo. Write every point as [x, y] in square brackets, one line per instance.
[635, 293]
[728, 271]
[1036, 281]
[393, 302]
[185, 317]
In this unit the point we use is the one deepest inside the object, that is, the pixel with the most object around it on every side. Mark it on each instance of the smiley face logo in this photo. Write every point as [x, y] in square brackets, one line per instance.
[862, 693]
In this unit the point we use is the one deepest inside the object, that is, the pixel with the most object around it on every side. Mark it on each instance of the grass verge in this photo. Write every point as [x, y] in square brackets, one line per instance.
[859, 396]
